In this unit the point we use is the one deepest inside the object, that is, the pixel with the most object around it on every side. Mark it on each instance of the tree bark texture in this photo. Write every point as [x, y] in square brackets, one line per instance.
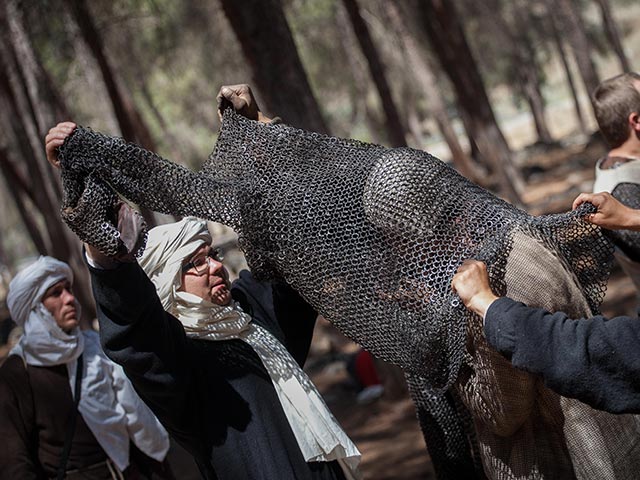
[395, 130]
[422, 71]
[449, 43]
[557, 38]
[266, 41]
[613, 34]
[577, 37]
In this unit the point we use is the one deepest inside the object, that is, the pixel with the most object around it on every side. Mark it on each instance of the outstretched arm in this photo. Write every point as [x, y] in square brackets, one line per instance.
[593, 360]
[94, 165]
[139, 175]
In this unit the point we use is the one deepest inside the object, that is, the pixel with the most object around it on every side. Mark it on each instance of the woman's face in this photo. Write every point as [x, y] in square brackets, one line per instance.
[208, 279]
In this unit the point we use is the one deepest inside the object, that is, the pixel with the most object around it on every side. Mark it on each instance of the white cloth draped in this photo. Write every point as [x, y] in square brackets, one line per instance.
[607, 179]
[317, 432]
[108, 404]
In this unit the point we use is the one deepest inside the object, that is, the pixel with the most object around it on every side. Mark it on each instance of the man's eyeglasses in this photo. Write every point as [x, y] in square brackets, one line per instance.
[201, 264]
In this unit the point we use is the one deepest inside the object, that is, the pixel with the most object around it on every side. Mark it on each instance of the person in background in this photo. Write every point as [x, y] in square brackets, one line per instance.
[617, 108]
[66, 410]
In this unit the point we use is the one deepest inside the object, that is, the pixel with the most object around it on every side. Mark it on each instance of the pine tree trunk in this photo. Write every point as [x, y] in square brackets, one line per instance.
[361, 80]
[25, 88]
[613, 34]
[395, 130]
[429, 86]
[45, 104]
[447, 38]
[528, 63]
[132, 125]
[264, 35]
[18, 189]
[577, 37]
[555, 28]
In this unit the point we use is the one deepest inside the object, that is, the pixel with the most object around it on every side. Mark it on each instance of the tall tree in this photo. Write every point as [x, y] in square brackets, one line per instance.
[30, 106]
[359, 87]
[395, 129]
[264, 35]
[557, 38]
[613, 34]
[131, 123]
[514, 58]
[444, 30]
[19, 189]
[577, 37]
[429, 86]
[528, 68]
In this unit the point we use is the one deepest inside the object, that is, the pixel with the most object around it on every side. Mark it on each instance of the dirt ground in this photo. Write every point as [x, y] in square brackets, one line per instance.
[386, 431]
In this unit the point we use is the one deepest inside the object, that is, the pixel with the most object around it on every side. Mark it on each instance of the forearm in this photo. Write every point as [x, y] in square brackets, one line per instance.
[594, 360]
[137, 333]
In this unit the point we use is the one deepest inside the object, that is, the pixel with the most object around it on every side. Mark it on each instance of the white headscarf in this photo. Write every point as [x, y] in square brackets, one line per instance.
[167, 247]
[44, 343]
[317, 432]
[108, 404]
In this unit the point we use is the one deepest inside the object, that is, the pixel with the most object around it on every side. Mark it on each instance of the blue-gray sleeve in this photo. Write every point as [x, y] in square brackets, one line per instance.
[595, 360]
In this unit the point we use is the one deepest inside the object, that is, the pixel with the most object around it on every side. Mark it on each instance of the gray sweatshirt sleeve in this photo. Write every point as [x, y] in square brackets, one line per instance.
[594, 360]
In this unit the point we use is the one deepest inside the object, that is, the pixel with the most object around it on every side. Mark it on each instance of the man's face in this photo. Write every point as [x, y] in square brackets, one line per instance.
[635, 125]
[210, 282]
[60, 302]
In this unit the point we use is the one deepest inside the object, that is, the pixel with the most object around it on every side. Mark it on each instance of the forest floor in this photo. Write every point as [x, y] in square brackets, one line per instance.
[387, 432]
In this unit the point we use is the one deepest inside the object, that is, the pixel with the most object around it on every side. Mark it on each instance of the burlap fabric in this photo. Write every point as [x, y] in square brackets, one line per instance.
[370, 237]
[524, 429]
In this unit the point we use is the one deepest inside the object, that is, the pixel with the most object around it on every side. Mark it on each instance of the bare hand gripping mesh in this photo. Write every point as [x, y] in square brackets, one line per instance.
[370, 236]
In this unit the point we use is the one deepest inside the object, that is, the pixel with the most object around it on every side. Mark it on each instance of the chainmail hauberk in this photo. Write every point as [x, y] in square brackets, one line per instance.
[371, 237]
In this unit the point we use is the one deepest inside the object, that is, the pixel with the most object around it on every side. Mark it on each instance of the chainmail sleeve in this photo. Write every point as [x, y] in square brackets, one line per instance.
[96, 166]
